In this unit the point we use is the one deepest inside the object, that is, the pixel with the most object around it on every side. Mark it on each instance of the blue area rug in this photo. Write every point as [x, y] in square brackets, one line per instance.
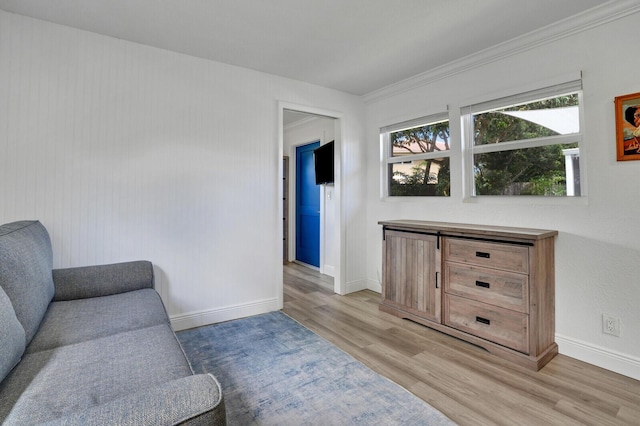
[274, 371]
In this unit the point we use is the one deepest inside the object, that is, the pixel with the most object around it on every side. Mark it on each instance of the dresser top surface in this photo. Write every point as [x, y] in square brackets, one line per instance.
[463, 229]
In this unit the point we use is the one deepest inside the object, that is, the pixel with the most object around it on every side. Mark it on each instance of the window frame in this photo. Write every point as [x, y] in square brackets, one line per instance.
[387, 158]
[469, 149]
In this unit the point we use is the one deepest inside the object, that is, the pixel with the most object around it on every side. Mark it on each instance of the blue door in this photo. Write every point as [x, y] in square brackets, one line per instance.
[307, 207]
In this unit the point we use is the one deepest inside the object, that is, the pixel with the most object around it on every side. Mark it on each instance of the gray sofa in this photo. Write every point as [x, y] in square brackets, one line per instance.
[90, 345]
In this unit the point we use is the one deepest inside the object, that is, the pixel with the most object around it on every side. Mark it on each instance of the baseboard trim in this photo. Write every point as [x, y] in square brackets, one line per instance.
[329, 270]
[354, 286]
[601, 357]
[374, 285]
[212, 316]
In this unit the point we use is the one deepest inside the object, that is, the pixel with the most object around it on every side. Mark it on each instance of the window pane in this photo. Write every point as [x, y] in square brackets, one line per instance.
[419, 178]
[548, 117]
[532, 171]
[418, 140]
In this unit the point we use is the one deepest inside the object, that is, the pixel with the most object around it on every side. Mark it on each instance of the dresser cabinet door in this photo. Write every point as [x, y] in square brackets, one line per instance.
[411, 261]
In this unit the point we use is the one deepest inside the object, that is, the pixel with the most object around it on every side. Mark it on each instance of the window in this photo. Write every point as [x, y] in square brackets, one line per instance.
[417, 157]
[526, 144]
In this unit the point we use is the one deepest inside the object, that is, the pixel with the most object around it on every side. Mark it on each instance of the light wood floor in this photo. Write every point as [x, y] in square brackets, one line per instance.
[466, 383]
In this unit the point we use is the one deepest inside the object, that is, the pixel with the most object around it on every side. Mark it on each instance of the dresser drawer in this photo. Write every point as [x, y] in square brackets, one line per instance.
[508, 257]
[502, 326]
[505, 289]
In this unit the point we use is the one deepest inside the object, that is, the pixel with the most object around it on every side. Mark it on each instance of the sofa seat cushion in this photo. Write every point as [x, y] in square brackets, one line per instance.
[26, 262]
[12, 338]
[76, 321]
[51, 384]
[192, 400]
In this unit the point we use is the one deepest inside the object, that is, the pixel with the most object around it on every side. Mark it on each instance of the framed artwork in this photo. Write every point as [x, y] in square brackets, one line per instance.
[628, 127]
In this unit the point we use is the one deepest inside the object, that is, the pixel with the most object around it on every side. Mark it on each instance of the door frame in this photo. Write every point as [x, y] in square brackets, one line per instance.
[339, 231]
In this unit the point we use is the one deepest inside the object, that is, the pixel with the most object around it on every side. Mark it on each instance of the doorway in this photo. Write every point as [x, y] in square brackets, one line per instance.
[307, 207]
[331, 228]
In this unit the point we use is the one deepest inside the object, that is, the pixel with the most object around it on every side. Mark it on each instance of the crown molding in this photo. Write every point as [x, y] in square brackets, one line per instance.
[599, 15]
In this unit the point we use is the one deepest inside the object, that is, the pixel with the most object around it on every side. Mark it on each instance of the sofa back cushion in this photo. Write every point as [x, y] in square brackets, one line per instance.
[12, 338]
[26, 262]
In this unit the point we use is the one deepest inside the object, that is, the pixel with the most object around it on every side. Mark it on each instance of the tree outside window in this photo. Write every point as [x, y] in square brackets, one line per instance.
[418, 164]
[527, 149]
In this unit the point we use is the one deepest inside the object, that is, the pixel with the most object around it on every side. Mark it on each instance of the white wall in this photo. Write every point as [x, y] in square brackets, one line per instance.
[315, 128]
[125, 152]
[598, 248]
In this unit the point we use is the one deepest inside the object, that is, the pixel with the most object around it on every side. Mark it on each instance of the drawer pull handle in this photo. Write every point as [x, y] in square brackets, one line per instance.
[483, 284]
[483, 320]
[483, 254]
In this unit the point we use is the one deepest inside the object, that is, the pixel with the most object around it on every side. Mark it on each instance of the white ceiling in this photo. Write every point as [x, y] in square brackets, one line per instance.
[356, 46]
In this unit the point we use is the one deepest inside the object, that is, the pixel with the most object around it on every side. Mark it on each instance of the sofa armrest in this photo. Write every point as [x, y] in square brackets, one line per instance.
[192, 400]
[102, 280]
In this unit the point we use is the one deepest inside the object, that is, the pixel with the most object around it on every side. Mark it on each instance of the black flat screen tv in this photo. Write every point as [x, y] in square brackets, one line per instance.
[323, 161]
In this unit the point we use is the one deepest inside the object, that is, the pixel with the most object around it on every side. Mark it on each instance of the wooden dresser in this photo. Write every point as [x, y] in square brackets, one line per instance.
[491, 286]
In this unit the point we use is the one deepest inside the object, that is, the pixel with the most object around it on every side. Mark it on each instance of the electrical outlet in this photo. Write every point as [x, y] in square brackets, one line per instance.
[611, 325]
